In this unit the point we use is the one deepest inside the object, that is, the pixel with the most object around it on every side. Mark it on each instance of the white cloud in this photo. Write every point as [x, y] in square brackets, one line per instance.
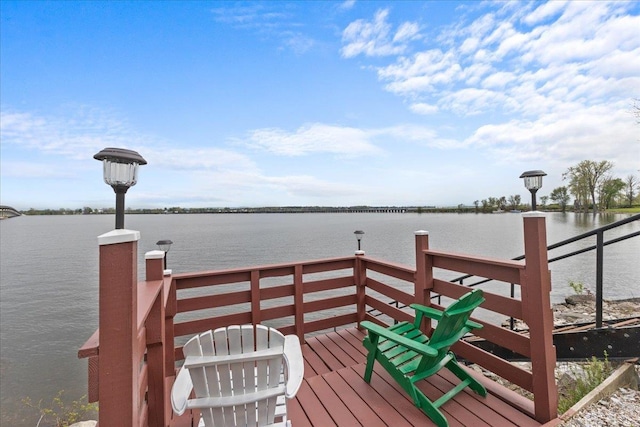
[347, 4]
[38, 170]
[299, 43]
[79, 134]
[374, 38]
[545, 11]
[423, 108]
[560, 75]
[342, 141]
[314, 138]
[599, 132]
[269, 22]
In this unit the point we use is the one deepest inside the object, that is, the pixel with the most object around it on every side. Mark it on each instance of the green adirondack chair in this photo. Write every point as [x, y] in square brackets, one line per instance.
[410, 356]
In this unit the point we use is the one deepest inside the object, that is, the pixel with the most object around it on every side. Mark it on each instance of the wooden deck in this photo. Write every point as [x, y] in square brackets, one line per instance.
[333, 393]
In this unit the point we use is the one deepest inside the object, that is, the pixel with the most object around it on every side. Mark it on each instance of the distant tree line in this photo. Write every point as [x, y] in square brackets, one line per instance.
[592, 185]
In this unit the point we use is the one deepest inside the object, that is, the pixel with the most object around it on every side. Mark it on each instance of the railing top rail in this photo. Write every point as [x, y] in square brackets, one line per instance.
[475, 258]
[572, 240]
[400, 267]
[179, 276]
[594, 232]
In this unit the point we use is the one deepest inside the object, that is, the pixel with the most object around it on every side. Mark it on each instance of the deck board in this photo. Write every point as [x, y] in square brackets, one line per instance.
[333, 393]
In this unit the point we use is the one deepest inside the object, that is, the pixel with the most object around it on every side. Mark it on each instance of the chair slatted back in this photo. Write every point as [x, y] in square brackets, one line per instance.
[451, 327]
[235, 379]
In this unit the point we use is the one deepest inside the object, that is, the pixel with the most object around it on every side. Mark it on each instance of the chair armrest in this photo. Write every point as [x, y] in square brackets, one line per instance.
[432, 313]
[406, 342]
[437, 315]
[180, 391]
[294, 364]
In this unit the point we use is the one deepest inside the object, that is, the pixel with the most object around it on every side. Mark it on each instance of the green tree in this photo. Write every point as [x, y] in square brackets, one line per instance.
[631, 187]
[514, 201]
[560, 196]
[585, 178]
[609, 190]
[544, 200]
[502, 203]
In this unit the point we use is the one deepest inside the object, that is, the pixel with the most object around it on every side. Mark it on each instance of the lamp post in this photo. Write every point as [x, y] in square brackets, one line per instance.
[120, 172]
[533, 182]
[164, 245]
[359, 234]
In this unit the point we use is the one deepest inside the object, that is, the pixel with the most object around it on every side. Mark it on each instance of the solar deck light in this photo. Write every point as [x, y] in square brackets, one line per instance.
[164, 245]
[359, 234]
[120, 172]
[533, 182]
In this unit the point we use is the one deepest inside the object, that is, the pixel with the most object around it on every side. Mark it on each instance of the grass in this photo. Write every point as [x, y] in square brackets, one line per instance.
[592, 374]
[631, 210]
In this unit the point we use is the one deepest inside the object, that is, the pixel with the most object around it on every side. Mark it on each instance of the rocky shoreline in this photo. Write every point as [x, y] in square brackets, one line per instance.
[621, 408]
[582, 309]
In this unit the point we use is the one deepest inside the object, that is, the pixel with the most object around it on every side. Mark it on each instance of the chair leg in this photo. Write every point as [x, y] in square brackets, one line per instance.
[432, 412]
[371, 343]
[463, 375]
[371, 358]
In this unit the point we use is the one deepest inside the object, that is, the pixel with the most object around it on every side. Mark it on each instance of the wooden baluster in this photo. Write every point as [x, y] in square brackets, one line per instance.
[155, 344]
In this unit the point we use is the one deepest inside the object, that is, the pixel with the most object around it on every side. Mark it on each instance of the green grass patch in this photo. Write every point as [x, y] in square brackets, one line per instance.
[592, 374]
[631, 210]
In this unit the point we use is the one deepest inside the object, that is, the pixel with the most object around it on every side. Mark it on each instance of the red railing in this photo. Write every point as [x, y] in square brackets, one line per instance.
[301, 298]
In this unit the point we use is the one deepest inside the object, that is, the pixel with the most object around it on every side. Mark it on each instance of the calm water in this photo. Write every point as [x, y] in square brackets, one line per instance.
[49, 277]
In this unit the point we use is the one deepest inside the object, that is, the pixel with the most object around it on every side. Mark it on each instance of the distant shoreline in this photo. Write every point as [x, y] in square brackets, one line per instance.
[313, 209]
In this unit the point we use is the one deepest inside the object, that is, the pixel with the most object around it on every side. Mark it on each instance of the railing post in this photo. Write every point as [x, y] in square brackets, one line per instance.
[298, 302]
[360, 278]
[599, 272]
[539, 315]
[119, 362]
[155, 334]
[169, 332]
[424, 275]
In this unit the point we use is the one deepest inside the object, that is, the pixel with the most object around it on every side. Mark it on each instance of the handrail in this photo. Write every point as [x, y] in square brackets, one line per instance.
[599, 233]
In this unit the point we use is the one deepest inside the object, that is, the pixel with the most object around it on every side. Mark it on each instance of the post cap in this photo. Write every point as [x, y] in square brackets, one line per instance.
[118, 236]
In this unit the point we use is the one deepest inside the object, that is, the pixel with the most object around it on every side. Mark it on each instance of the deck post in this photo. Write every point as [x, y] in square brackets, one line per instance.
[424, 275]
[360, 279]
[155, 325]
[119, 359]
[539, 316]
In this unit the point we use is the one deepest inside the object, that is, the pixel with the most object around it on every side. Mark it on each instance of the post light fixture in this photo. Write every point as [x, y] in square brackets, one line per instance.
[164, 245]
[359, 234]
[533, 182]
[120, 171]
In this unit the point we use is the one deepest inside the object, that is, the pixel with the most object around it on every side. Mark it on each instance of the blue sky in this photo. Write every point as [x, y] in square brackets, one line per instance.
[312, 103]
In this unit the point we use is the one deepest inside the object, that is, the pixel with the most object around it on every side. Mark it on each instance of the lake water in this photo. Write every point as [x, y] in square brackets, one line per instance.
[49, 269]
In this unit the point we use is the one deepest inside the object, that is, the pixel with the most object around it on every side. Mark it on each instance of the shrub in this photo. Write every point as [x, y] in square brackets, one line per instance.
[593, 373]
[61, 413]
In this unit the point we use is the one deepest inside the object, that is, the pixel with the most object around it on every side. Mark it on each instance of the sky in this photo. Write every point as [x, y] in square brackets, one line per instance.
[247, 104]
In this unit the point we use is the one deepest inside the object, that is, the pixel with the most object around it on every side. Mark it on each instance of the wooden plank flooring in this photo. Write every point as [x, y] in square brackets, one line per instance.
[333, 393]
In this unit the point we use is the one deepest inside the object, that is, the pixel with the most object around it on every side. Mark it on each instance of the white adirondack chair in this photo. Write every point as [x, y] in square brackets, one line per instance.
[241, 376]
